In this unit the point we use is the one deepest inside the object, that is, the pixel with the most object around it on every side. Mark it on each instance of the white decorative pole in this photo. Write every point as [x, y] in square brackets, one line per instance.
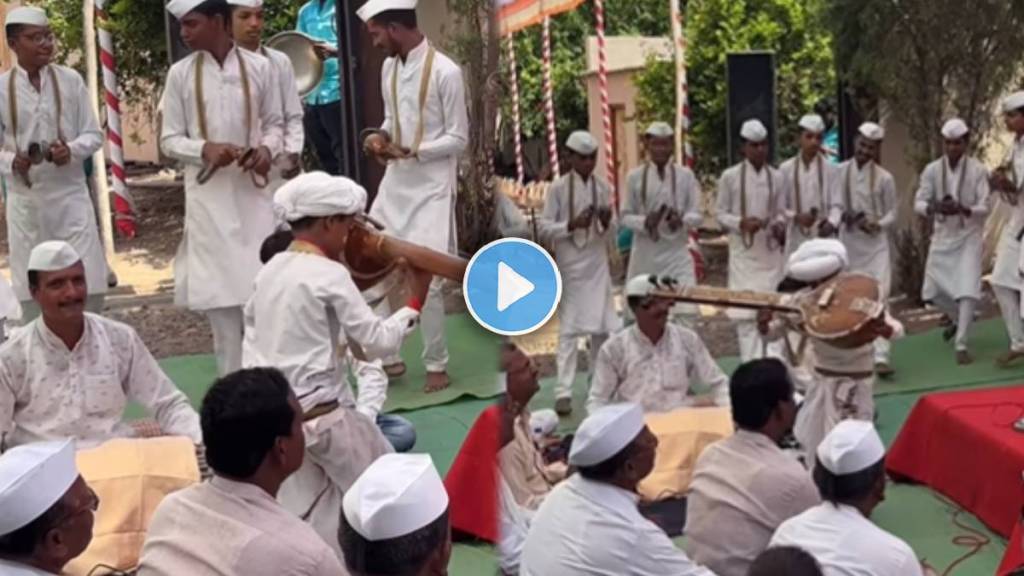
[606, 115]
[549, 98]
[683, 152]
[517, 126]
[99, 163]
[124, 216]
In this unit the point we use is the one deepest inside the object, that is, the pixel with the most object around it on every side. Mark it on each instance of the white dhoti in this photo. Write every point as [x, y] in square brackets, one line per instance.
[1006, 279]
[340, 445]
[830, 400]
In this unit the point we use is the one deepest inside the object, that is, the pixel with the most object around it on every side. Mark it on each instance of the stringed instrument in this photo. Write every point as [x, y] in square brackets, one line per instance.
[371, 255]
[838, 312]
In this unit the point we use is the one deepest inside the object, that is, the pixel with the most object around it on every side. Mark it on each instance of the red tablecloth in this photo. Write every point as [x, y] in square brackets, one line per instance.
[1014, 556]
[963, 445]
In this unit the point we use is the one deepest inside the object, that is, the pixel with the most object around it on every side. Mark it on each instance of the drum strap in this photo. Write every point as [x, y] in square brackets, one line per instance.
[12, 101]
[743, 196]
[428, 67]
[643, 186]
[797, 200]
[959, 187]
[848, 188]
[572, 196]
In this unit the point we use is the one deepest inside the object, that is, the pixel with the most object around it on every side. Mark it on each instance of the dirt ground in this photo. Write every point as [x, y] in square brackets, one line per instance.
[144, 295]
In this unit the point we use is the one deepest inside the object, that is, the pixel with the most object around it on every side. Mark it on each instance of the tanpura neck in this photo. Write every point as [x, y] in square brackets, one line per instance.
[70, 334]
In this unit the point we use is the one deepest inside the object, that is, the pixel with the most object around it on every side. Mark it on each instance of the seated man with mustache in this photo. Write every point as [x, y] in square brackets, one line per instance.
[69, 373]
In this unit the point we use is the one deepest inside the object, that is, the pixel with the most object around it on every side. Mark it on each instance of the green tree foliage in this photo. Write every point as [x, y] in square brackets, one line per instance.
[140, 40]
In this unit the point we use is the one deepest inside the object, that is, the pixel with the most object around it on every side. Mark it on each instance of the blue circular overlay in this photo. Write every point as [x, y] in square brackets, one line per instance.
[520, 272]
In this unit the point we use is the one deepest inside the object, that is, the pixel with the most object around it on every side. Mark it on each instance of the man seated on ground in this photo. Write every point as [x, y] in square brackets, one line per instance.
[590, 523]
[232, 524]
[850, 476]
[70, 373]
[304, 307]
[743, 487]
[523, 468]
[46, 509]
[651, 362]
[371, 380]
[395, 519]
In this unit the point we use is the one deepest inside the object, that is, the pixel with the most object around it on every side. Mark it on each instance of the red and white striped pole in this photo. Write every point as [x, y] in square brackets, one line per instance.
[549, 98]
[517, 126]
[683, 151]
[606, 115]
[124, 217]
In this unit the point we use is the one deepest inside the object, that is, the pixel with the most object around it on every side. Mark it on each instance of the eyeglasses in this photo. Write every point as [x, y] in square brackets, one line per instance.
[40, 38]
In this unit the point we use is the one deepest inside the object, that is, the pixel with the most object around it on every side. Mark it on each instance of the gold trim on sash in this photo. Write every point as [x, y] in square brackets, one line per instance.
[428, 67]
[12, 97]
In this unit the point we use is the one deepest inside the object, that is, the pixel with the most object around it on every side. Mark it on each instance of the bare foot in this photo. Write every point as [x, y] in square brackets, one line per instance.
[394, 370]
[963, 357]
[1009, 357]
[436, 381]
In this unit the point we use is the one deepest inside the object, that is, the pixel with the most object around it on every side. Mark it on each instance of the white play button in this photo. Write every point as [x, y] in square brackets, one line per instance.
[512, 286]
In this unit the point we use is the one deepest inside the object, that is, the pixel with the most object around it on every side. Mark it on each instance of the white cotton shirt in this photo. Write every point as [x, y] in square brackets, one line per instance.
[659, 377]
[846, 543]
[743, 488]
[283, 74]
[670, 254]
[224, 528]
[816, 181]
[58, 206]
[582, 255]
[304, 308]
[868, 254]
[48, 392]
[587, 528]
[8, 568]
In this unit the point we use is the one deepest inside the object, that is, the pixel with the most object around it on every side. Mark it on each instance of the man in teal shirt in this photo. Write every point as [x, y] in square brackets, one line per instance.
[322, 121]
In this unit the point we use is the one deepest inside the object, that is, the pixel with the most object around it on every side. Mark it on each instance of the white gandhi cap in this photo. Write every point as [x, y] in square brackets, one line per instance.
[581, 142]
[52, 255]
[247, 3]
[396, 495]
[179, 8]
[318, 194]
[812, 123]
[817, 259]
[605, 433]
[871, 131]
[954, 129]
[27, 15]
[753, 131]
[659, 130]
[374, 7]
[641, 285]
[1014, 101]
[33, 477]
[852, 446]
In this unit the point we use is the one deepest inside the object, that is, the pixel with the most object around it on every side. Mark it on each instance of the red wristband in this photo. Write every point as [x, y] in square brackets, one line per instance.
[415, 304]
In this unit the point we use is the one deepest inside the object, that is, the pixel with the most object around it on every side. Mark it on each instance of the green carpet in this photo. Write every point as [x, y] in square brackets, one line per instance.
[472, 369]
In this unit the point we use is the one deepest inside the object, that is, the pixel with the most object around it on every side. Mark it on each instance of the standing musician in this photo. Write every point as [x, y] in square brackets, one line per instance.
[808, 178]
[954, 191]
[47, 131]
[247, 28]
[1008, 180]
[425, 130]
[222, 119]
[576, 221]
[868, 194]
[661, 204]
[750, 207]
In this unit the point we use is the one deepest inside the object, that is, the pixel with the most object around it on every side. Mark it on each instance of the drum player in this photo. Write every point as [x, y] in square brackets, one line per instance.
[304, 307]
[842, 380]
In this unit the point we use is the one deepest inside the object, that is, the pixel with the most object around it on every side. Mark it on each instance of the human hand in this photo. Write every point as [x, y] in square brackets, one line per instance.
[258, 160]
[324, 51]
[220, 155]
[751, 225]
[60, 154]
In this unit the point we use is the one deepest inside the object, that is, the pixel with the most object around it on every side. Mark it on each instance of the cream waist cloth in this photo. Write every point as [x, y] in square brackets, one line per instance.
[131, 478]
[682, 435]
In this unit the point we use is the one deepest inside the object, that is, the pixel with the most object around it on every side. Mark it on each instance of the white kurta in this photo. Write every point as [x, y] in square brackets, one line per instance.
[846, 543]
[303, 309]
[759, 267]
[669, 255]
[8, 568]
[292, 113]
[587, 528]
[743, 488]
[223, 527]
[954, 258]
[1006, 272]
[48, 392]
[656, 376]
[58, 205]
[226, 219]
[816, 181]
[581, 255]
[868, 254]
[416, 198]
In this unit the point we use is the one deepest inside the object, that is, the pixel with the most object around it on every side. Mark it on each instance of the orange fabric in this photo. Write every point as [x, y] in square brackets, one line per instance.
[519, 14]
[472, 481]
[131, 478]
[682, 436]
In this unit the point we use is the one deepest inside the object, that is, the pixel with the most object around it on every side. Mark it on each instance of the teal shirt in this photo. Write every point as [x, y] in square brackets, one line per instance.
[317, 19]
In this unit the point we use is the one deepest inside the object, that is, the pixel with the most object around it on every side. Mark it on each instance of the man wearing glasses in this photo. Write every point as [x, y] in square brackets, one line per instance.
[47, 130]
[46, 509]
[652, 362]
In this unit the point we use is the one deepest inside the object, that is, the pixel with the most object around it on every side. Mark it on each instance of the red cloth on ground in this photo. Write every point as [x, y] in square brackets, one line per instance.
[1014, 556]
[963, 445]
[472, 481]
